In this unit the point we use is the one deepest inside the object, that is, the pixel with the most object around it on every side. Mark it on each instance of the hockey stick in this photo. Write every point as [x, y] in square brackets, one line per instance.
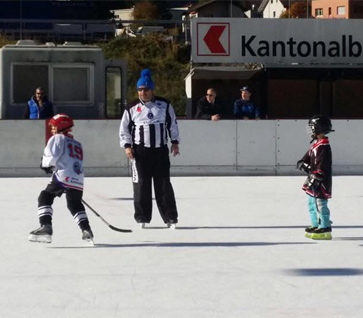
[108, 224]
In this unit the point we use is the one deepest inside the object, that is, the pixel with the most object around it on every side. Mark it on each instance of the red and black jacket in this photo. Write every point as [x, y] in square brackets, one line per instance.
[319, 158]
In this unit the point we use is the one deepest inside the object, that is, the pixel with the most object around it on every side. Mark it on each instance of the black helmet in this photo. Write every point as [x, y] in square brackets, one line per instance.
[319, 124]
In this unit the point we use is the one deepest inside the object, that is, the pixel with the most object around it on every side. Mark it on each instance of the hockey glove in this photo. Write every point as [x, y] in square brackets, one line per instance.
[315, 179]
[303, 166]
[47, 170]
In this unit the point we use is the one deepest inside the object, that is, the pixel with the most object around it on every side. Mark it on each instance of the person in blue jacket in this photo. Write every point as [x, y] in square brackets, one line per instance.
[39, 107]
[244, 108]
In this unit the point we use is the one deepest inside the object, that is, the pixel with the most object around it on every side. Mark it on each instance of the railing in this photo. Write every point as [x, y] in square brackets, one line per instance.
[81, 29]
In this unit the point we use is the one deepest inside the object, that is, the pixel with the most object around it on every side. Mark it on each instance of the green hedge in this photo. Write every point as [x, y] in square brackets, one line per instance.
[168, 62]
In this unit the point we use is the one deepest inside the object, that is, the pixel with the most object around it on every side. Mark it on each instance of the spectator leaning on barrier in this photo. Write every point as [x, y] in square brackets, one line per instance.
[145, 127]
[245, 108]
[39, 107]
[209, 106]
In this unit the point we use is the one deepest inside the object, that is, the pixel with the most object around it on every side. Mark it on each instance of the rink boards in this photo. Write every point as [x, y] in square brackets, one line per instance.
[230, 147]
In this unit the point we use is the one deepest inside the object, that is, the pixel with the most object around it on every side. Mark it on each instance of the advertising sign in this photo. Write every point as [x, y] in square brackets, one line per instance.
[277, 41]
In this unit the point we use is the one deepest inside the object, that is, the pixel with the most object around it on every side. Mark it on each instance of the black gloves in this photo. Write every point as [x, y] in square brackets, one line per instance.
[303, 166]
[47, 170]
[314, 180]
[318, 177]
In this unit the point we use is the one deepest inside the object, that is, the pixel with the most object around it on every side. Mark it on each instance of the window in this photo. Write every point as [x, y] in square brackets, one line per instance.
[114, 101]
[26, 78]
[65, 84]
[329, 10]
[274, 14]
[318, 12]
[341, 10]
[64, 88]
[358, 9]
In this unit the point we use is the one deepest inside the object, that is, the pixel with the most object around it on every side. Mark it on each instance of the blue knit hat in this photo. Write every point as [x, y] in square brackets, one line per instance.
[145, 79]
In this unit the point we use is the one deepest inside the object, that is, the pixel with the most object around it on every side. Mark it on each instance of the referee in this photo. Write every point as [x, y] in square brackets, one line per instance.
[145, 127]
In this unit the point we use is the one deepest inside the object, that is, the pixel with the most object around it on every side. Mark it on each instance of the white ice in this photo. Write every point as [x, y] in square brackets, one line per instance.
[239, 251]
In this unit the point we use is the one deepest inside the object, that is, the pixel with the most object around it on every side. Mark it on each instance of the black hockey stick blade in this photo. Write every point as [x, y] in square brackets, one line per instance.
[104, 221]
[119, 230]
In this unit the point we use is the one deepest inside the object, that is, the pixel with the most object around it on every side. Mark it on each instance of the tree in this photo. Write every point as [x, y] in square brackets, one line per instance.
[145, 11]
[4, 41]
[169, 63]
[298, 10]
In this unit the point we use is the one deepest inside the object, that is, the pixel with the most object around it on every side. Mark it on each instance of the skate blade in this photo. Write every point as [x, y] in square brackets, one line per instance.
[89, 242]
[321, 236]
[40, 238]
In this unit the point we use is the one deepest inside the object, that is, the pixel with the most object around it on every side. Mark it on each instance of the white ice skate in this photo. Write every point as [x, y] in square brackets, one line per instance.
[171, 226]
[87, 236]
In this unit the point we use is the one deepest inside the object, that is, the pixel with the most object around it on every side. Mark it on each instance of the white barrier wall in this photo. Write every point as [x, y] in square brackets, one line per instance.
[206, 149]
[101, 146]
[264, 147]
[21, 147]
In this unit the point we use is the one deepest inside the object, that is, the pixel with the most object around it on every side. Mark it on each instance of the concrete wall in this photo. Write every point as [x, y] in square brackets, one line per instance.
[230, 147]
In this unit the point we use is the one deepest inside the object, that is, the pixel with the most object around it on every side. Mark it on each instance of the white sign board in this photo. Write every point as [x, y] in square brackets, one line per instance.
[277, 41]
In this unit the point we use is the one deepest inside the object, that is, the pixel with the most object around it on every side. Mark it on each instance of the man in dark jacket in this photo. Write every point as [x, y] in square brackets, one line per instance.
[209, 106]
[39, 107]
[245, 108]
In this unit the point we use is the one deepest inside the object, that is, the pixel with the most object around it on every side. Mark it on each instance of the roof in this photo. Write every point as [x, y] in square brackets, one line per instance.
[221, 72]
[201, 5]
[264, 3]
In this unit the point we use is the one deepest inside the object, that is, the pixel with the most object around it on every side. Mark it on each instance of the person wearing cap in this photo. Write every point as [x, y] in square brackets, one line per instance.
[245, 108]
[146, 126]
[209, 106]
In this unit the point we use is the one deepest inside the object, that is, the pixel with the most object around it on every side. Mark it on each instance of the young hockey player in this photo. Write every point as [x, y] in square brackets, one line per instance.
[317, 163]
[63, 157]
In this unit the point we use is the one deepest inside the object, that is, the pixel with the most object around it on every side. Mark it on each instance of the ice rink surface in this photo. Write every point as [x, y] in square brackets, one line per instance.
[239, 251]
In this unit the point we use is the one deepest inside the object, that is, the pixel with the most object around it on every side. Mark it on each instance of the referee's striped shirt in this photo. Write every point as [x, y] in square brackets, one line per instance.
[149, 124]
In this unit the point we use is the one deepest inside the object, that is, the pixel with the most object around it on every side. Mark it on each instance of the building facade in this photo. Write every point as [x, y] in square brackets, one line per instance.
[337, 9]
[272, 8]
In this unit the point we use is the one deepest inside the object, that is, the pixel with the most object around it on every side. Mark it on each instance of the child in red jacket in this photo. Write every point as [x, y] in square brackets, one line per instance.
[317, 163]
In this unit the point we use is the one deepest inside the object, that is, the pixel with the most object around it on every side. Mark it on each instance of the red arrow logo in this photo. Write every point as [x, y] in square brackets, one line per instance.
[212, 39]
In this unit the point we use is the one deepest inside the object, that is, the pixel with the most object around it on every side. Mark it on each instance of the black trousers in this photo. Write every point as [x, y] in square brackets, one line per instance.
[74, 204]
[153, 164]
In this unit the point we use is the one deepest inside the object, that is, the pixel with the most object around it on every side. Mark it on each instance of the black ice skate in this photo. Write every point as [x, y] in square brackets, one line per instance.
[309, 230]
[42, 235]
[87, 236]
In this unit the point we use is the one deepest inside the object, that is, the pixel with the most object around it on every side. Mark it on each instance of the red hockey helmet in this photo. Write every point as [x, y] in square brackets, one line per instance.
[62, 121]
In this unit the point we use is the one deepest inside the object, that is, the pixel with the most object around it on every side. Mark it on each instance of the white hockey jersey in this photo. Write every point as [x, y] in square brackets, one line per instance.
[66, 155]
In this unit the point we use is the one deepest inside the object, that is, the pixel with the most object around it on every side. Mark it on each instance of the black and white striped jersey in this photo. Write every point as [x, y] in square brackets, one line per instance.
[149, 124]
